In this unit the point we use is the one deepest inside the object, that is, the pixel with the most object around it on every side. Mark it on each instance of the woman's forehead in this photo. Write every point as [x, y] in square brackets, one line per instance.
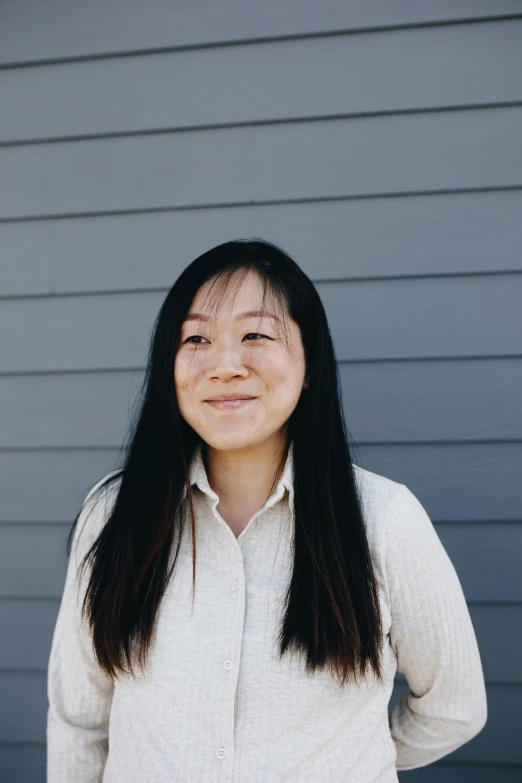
[239, 298]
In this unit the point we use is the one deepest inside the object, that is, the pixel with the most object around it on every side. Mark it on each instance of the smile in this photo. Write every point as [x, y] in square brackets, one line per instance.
[229, 403]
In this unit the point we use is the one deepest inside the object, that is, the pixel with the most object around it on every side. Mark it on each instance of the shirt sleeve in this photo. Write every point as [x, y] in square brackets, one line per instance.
[79, 692]
[433, 637]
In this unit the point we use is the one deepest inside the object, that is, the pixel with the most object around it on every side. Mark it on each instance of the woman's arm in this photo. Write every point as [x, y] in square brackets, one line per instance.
[79, 693]
[434, 640]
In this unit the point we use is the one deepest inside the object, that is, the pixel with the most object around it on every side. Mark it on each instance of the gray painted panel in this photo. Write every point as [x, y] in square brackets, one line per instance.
[32, 560]
[383, 402]
[369, 320]
[406, 69]
[480, 481]
[455, 481]
[75, 332]
[74, 410]
[23, 715]
[486, 558]
[28, 625]
[499, 634]
[23, 706]
[69, 29]
[59, 482]
[432, 400]
[27, 764]
[391, 154]
[27, 628]
[499, 740]
[446, 772]
[449, 233]
[436, 317]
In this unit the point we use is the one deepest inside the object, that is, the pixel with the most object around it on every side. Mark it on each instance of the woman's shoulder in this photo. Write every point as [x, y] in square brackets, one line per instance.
[379, 494]
[95, 510]
[109, 486]
[376, 491]
[391, 509]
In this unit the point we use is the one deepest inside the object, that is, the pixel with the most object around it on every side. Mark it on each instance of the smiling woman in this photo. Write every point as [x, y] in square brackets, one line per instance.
[316, 580]
[237, 388]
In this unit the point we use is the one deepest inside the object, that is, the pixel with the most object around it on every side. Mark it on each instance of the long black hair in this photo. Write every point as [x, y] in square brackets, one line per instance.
[332, 614]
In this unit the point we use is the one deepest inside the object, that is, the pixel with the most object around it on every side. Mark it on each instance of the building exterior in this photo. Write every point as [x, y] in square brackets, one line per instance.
[379, 144]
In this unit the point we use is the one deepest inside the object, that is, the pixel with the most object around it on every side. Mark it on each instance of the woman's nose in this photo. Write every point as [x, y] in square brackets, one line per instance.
[226, 361]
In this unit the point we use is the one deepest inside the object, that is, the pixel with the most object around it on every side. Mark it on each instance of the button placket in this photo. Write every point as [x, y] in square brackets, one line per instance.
[237, 606]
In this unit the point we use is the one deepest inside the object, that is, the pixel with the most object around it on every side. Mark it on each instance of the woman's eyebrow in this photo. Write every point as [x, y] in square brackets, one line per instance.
[245, 314]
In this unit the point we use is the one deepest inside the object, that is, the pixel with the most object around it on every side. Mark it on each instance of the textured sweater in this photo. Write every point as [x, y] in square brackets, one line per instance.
[216, 703]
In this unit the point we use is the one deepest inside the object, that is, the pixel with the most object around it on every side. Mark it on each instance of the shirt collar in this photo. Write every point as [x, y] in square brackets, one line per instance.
[198, 476]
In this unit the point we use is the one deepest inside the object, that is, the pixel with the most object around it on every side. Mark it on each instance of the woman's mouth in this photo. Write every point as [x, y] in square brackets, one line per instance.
[229, 404]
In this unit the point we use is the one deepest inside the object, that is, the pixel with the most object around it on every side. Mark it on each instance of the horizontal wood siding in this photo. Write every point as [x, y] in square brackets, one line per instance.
[75, 29]
[273, 81]
[77, 408]
[358, 157]
[349, 239]
[377, 143]
[351, 308]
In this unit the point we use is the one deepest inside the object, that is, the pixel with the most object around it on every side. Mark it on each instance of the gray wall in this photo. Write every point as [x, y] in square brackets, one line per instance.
[380, 144]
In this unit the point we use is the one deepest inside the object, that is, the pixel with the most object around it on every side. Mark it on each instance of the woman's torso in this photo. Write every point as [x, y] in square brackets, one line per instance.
[216, 703]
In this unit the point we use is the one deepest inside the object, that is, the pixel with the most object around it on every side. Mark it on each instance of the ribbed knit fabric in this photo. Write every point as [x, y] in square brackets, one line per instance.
[217, 704]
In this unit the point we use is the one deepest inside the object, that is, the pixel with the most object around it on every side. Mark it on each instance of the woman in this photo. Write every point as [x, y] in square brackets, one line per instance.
[316, 580]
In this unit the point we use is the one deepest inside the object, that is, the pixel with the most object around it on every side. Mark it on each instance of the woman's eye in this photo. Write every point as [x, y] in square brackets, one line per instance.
[192, 336]
[198, 337]
[256, 334]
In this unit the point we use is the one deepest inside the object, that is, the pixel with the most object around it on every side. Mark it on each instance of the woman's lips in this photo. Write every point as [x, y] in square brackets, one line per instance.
[229, 403]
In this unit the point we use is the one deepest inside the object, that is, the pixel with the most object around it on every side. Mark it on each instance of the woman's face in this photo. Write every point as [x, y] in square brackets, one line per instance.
[233, 352]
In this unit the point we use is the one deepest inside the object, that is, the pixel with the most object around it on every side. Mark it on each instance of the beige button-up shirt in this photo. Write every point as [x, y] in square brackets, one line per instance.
[217, 704]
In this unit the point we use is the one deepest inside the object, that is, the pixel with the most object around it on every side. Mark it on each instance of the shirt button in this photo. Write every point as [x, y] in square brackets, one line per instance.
[235, 584]
[227, 663]
[220, 753]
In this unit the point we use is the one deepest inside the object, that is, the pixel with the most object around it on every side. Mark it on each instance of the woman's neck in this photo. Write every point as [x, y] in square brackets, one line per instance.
[244, 479]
